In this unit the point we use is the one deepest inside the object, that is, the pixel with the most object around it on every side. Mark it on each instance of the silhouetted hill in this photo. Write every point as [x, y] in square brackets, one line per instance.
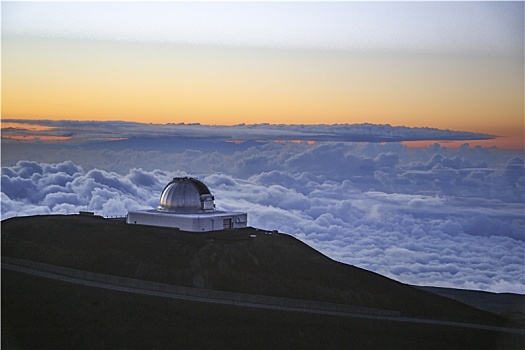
[247, 260]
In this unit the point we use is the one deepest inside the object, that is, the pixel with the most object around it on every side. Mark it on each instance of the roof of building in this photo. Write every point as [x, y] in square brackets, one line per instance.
[186, 195]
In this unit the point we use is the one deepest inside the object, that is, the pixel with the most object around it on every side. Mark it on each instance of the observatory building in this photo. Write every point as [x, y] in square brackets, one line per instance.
[187, 204]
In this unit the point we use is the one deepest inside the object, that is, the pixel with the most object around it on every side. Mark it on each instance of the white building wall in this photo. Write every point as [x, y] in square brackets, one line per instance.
[188, 222]
[240, 220]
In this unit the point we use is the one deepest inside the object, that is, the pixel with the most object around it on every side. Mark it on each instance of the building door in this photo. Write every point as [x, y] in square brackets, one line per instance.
[226, 224]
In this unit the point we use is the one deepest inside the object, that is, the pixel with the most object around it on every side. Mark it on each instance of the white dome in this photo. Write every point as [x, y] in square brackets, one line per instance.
[186, 195]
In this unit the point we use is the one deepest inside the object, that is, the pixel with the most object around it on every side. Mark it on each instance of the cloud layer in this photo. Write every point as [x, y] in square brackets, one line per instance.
[431, 216]
[91, 130]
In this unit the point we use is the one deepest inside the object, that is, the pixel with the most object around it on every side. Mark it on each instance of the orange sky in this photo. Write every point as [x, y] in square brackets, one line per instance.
[44, 78]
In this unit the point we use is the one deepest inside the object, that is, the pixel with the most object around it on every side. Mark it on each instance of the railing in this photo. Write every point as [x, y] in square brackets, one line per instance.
[115, 216]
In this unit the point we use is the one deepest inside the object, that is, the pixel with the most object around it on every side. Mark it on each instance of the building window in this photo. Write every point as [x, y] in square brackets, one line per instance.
[227, 224]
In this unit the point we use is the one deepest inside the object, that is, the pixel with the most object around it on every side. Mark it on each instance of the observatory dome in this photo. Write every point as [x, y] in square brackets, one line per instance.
[186, 195]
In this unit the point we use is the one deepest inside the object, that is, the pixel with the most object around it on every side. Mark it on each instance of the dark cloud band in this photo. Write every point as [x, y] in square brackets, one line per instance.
[94, 130]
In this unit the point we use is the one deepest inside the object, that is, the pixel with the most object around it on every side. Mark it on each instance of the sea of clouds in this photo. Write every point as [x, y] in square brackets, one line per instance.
[429, 216]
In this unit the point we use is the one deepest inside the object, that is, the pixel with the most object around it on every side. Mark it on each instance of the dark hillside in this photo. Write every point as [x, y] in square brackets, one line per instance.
[39, 313]
[246, 260]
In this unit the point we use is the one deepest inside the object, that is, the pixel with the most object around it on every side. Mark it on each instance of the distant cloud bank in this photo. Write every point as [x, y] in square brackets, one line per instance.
[93, 130]
[430, 216]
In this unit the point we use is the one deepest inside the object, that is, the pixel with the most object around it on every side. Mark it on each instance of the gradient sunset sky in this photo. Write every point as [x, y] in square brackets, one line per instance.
[446, 65]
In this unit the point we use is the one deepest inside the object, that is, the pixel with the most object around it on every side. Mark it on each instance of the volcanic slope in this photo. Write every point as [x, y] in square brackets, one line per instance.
[246, 260]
